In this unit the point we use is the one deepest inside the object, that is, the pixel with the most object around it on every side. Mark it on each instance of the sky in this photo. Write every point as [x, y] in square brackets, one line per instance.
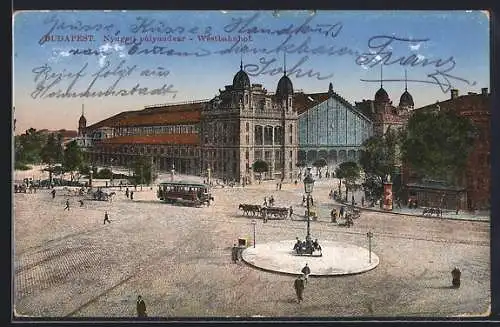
[114, 61]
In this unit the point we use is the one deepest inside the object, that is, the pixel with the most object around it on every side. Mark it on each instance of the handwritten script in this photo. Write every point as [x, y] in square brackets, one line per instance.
[82, 82]
[307, 39]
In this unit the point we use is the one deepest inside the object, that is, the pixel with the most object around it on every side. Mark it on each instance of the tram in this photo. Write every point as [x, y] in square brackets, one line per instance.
[185, 193]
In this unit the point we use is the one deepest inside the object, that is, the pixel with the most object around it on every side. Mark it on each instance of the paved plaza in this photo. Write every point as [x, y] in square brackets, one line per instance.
[69, 264]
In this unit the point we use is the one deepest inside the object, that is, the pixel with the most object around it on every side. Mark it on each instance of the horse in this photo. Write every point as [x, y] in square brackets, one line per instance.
[247, 208]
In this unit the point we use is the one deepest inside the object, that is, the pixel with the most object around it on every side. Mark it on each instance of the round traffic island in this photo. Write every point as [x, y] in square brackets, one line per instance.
[337, 258]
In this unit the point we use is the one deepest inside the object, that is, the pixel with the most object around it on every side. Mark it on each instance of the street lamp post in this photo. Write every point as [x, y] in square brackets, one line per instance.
[254, 223]
[90, 175]
[308, 188]
[369, 235]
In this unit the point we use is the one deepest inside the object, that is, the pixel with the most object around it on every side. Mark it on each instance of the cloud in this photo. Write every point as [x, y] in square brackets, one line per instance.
[58, 54]
[415, 47]
[109, 49]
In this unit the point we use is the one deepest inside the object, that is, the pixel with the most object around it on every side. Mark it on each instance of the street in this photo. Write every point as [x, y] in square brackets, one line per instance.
[69, 264]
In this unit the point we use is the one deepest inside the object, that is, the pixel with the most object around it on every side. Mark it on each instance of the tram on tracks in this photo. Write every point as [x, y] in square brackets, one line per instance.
[185, 193]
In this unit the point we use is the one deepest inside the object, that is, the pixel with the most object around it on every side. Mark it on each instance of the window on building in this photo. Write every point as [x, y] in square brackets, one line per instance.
[268, 135]
[258, 135]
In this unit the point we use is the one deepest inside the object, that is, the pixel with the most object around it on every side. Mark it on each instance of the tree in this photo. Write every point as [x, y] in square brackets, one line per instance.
[318, 164]
[51, 154]
[379, 158]
[143, 170]
[28, 146]
[436, 144]
[350, 172]
[73, 158]
[260, 166]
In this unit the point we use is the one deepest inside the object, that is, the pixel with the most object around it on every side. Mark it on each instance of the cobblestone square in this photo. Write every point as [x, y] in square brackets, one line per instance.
[69, 264]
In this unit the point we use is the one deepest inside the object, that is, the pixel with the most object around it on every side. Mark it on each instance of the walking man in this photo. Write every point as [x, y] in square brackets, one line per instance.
[126, 192]
[81, 203]
[362, 201]
[234, 253]
[67, 205]
[141, 307]
[299, 285]
[290, 211]
[106, 218]
[306, 271]
[352, 200]
[53, 192]
[131, 195]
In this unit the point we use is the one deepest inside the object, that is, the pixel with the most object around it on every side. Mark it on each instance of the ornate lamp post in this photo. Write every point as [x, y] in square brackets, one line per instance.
[172, 172]
[254, 223]
[90, 175]
[308, 188]
[369, 235]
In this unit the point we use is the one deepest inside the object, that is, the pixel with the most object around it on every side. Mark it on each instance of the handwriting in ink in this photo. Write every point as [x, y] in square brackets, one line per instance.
[151, 25]
[380, 53]
[244, 25]
[273, 67]
[51, 84]
[290, 48]
[59, 26]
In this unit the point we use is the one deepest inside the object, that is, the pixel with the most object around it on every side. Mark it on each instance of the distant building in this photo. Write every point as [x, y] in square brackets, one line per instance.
[330, 128]
[226, 134]
[476, 177]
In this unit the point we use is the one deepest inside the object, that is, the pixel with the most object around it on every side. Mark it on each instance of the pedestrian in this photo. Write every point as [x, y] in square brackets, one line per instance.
[135, 187]
[455, 273]
[299, 285]
[333, 215]
[234, 253]
[352, 200]
[290, 211]
[106, 218]
[280, 186]
[342, 211]
[303, 199]
[306, 271]
[81, 203]
[362, 201]
[265, 202]
[264, 215]
[53, 192]
[141, 307]
[67, 205]
[131, 195]
[277, 186]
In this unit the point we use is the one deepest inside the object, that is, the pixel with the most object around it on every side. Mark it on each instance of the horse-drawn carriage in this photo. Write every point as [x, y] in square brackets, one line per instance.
[248, 209]
[428, 212]
[20, 188]
[100, 195]
[275, 212]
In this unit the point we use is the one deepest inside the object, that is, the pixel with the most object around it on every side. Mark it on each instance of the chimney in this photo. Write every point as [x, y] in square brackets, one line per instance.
[454, 93]
[484, 91]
